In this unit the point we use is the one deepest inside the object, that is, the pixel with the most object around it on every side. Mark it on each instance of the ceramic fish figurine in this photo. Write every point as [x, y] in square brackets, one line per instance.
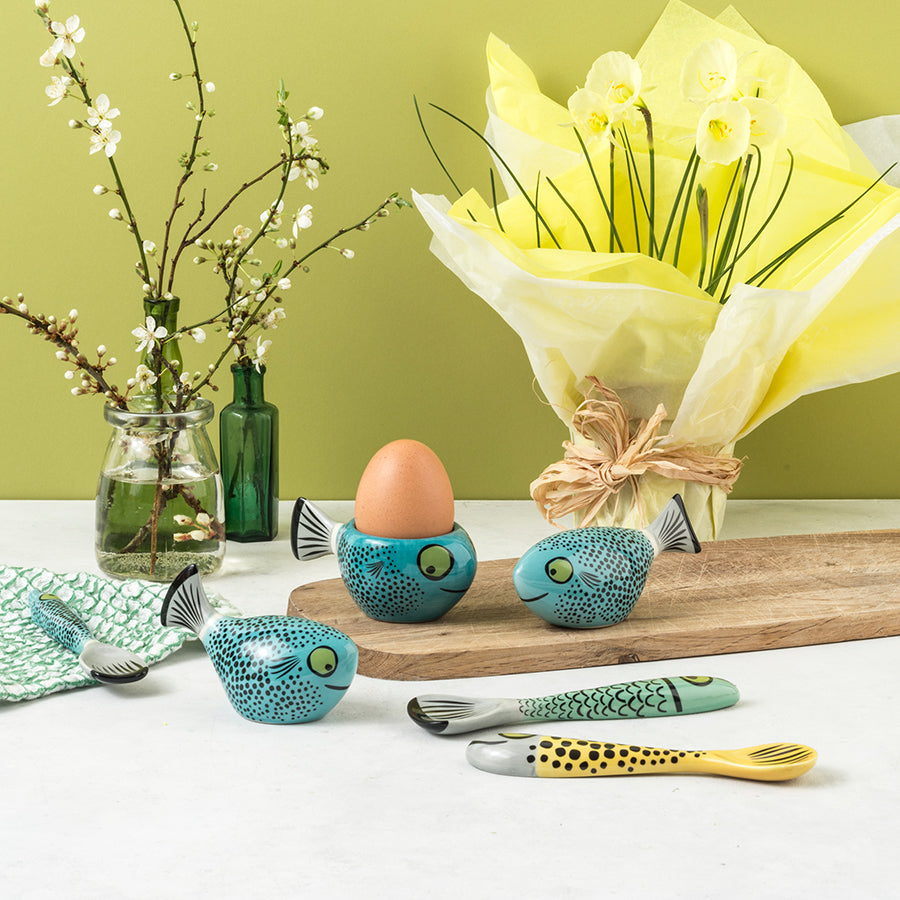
[542, 756]
[673, 696]
[105, 663]
[275, 669]
[592, 577]
[391, 579]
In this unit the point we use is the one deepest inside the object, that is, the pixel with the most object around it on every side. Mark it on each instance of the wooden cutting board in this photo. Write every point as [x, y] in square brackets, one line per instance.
[738, 595]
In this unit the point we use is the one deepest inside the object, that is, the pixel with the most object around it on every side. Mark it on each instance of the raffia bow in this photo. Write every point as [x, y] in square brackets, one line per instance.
[590, 474]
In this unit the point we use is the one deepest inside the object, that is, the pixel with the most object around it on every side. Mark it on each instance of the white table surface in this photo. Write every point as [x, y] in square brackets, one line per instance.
[160, 790]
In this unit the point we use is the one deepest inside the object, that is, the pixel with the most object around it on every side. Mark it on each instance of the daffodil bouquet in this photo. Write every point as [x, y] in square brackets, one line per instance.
[251, 298]
[688, 245]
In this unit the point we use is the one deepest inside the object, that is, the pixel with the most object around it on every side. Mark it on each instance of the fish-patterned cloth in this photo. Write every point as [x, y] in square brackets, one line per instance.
[125, 613]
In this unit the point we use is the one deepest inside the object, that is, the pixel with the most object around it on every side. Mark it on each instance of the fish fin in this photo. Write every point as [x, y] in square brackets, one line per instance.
[311, 531]
[285, 666]
[671, 529]
[186, 604]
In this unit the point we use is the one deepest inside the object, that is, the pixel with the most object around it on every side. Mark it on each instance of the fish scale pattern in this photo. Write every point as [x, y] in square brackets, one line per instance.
[125, 613]
[633, 700]
[262, 664]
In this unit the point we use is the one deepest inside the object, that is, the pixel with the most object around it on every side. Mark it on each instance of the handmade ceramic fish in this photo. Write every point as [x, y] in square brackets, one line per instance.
[592, 577]
[391, 579]
[105, 663]
[275, 669]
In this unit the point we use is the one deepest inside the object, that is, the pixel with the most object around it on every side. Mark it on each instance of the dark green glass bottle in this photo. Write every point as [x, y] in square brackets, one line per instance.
[248, 455]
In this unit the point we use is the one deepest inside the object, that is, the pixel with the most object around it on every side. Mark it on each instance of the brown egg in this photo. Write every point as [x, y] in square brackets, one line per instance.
[404, 492]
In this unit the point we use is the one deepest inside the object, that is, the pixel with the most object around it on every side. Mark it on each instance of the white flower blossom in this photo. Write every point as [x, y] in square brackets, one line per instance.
[315, 112]
[275, 212]
[105, 137]
[149, 247]
[210, 87]
[709, 74]
[198, 334]
[149, 335]
[57, 88]
[723, 133]
[262, 348]
[271, 320]
[302, 219]
[242, 233]
[143, 377]
[68, 34]
[100, 111]
[284, 284]
[767, 122]
[347, 253]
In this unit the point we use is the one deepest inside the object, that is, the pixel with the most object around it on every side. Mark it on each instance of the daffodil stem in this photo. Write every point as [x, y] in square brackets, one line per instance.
[612, 193]
[502, 162]
[433, 149]
[684, 211]
[572, 210]
[495, 204]
[631, 167]
[651, 158]
[613, 233]
[689, 169]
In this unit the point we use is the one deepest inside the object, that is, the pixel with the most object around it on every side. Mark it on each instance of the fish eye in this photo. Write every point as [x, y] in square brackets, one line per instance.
[434, 561]
[559, 570]
[322, 661]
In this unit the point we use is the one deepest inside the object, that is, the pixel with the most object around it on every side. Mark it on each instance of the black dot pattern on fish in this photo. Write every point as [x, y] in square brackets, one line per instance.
[372, 576]
[610, 574]
[242, 651]
[562, 756]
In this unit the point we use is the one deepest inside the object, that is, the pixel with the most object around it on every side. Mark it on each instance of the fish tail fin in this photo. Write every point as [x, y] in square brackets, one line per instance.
[671, 529]
[311, 531]
[185, 603]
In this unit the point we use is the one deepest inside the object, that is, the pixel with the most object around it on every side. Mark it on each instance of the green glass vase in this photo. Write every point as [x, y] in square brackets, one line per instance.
[248, 453]
[165, 313]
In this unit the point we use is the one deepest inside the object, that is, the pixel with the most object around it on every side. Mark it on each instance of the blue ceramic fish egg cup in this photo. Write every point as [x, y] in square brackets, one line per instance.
[406, 580]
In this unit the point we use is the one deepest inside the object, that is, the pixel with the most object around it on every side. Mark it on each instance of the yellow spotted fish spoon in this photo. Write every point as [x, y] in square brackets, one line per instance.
[554, 757]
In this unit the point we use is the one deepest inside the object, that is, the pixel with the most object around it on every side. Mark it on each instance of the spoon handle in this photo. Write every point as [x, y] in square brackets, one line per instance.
[675, 696]
[59, 621]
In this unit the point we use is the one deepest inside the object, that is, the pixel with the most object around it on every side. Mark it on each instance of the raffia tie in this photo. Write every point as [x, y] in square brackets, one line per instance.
[617, 455]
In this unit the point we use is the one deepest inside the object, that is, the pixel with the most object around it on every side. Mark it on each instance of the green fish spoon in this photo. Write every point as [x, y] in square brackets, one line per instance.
[105, 663]
[676, 696]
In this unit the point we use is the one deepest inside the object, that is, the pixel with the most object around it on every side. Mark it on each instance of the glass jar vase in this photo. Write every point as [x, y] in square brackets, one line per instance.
[248, 451]
[159, 495]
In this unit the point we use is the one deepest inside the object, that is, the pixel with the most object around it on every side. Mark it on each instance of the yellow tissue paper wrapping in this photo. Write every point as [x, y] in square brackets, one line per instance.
[829, 316]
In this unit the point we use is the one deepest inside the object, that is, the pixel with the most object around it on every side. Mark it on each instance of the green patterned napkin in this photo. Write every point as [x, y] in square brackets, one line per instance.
[125, 613]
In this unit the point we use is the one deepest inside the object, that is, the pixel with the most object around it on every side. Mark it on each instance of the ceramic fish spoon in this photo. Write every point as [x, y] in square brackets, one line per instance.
[542, 756]
[103, 662]
[678, 695]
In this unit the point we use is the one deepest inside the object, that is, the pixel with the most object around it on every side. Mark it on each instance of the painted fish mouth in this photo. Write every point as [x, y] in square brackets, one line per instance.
[532, 599]
[337, 687]
[454, 590]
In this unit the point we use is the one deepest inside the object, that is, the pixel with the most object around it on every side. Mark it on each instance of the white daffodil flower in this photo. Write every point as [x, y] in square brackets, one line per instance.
[709, 74]
[767, 122]
[591, 115]
[723, 133]
[105, 137]
[262, 348]
[68, 34]
[100, 111]
[149, 334]
[616, 77]
[302, 219]
[57, 88]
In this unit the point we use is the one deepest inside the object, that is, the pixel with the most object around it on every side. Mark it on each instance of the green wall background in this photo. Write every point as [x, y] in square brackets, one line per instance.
[389, 344]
